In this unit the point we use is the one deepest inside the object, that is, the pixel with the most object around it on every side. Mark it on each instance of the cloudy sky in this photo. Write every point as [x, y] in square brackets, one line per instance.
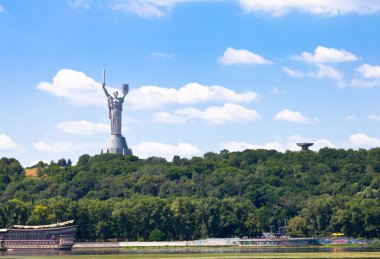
[204, 75]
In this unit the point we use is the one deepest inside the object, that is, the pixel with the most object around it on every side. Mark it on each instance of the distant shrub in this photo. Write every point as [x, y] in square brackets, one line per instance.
[156, 235]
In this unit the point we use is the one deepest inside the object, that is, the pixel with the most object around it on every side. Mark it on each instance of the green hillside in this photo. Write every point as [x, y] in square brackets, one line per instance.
[217, 195]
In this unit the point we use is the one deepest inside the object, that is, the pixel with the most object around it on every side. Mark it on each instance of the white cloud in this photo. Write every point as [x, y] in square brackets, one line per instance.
[148, 149]
[327, 55]
[350, 118]
[327, 72]
[241, 146]
[292, 116]
[76, 4]
[357, 83]
[219, 115]
[216, 115]
[7, 143]
[154, 96]
[241, 56]
[55, 147]
[321, 7]
[63, 146]
[83, 127]
[362, 140]
[289, 143]
[167, 117]
[374, 117]
[369, 71]
[321, 143]
[276, 90]
[292, 73]
[83, 90]
[324, 71]
[35, 162]
[147, 8]
[371, 75]
[75, 86]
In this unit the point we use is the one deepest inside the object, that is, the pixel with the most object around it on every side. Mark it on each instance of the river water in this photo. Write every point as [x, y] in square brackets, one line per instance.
[97, 253]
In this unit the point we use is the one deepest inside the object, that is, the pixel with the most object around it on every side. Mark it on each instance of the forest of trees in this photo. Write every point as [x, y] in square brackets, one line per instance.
[115, 197]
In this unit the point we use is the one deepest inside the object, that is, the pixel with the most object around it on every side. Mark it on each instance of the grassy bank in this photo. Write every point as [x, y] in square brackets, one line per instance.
[238, 247]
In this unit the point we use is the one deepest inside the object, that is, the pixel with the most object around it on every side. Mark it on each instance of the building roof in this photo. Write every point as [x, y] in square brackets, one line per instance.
[61, 224]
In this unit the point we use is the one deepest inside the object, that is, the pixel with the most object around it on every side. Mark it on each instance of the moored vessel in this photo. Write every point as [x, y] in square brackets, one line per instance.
[278, 239]
[288, 241]
[54, 236]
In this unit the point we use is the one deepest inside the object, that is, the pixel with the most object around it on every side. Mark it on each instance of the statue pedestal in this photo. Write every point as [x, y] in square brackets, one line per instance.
[116, 144]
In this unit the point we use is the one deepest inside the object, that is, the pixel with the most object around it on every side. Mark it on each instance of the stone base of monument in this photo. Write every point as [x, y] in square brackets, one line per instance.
[117, 144]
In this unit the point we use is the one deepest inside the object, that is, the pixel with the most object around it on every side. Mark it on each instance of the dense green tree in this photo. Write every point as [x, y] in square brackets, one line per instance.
[15, 211]
[297, 227]
[40, 215]
[244, 193]
[156, 235]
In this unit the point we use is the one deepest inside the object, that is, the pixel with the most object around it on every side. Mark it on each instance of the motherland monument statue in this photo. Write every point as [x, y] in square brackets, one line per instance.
[116, 143]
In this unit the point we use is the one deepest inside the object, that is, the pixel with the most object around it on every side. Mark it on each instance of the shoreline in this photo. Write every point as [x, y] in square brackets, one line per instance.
[179, 244]
[201, 252]
[223, 242]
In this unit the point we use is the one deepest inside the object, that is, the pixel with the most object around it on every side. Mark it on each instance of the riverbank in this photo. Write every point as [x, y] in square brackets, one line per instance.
[214, 242]
[209, 242]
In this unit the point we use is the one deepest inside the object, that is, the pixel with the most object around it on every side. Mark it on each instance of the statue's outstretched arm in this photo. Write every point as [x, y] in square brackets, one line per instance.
[105, 90]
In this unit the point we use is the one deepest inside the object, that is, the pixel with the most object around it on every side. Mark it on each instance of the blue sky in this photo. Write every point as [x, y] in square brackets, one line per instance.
[204, 75]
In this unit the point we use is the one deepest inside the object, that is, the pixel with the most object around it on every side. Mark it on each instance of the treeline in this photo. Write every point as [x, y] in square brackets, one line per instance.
[142, 217]
[218, 195]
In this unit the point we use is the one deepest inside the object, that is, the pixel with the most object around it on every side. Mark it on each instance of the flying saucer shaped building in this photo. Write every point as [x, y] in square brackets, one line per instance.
[305, 145]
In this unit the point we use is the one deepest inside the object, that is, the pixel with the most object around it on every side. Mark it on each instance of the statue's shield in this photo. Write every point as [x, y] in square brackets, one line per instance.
[125, 89]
